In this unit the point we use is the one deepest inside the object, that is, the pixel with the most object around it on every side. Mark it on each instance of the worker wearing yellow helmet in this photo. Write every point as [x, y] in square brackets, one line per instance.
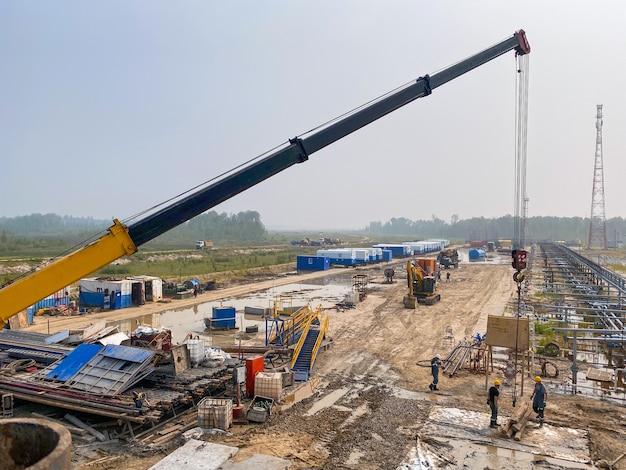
[492, 401]
[540, 397]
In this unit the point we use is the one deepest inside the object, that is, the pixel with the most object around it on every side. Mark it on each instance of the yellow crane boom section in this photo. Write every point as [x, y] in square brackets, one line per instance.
[66, 270]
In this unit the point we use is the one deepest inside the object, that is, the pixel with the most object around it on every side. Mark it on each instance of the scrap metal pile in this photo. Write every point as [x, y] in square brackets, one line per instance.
[114, 381]
[472, 353]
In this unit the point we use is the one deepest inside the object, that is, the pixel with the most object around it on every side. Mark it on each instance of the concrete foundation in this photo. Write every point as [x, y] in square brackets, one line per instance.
[34, 444]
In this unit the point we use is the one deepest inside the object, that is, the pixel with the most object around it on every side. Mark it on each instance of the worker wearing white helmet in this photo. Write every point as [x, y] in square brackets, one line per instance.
[539, 396]
[492, 401]
[435, 363]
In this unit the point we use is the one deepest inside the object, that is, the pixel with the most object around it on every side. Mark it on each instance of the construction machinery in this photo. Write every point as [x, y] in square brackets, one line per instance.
[423, 283]
[123, 240]
[448, 258]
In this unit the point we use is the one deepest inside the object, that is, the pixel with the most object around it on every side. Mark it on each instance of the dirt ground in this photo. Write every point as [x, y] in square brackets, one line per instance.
[371, 405]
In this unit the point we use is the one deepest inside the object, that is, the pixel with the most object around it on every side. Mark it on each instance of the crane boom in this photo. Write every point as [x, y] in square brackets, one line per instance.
[121, 240]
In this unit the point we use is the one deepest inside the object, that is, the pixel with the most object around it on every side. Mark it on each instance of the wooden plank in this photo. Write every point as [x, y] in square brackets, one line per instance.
[94, 329]
[169, 430]
[77, 422]
[518, 420]
[73, 429]
[599, 375]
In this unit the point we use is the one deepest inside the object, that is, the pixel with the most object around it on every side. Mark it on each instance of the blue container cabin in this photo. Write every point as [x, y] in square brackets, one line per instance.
[106, 293]
[362, 255]
[340, 256]
[443, 242]
[397, 249]
[387, 255]
[417, 248]
[312, 263]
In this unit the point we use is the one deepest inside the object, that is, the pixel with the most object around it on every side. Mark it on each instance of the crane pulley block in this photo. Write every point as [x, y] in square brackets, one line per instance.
[519, 259]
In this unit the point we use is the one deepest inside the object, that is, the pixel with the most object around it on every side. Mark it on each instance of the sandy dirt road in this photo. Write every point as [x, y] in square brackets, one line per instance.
[372, 403]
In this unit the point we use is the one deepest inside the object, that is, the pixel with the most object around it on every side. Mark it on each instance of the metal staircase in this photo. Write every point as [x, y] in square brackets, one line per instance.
[304, 330]
[305, 352]
[304, 361]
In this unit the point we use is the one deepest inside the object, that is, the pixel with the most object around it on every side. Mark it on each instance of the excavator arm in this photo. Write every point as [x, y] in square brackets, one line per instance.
[121, 240]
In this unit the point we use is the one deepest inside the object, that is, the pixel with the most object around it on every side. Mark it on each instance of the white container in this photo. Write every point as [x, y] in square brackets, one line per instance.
[196, 350]
[268, 385]
[215, 413]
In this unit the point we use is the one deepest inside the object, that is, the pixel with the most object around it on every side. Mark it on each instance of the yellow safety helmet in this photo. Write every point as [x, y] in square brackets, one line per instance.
[496, 382]
[537, 379]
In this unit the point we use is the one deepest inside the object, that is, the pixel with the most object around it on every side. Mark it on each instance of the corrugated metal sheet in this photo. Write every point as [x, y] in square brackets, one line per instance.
[74, 362]
[113, 370]
[116, 338]
[127, 353]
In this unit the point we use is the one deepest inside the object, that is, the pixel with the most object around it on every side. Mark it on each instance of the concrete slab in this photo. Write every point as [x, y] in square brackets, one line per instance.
[563, 446]
[198, 455]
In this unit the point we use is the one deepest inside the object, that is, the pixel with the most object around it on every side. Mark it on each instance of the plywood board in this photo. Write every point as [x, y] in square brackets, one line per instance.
[501, 332]
[181, 357]
[599, 375]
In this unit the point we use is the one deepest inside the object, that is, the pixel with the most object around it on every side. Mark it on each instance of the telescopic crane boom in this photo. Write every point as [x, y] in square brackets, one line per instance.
[121, 240]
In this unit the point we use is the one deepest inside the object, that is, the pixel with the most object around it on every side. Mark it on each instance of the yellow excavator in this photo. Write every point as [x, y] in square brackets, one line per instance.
[422, 283]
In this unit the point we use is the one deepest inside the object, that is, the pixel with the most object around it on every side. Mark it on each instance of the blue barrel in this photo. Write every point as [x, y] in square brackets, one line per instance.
[475, 254]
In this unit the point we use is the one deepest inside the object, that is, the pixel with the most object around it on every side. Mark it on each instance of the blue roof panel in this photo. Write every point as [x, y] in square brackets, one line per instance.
[74, 362]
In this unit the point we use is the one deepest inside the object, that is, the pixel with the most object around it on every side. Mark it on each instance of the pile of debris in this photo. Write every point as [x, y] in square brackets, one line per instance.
[136, 386]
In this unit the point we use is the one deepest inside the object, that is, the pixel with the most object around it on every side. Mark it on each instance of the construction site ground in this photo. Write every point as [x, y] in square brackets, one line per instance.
[369, 405]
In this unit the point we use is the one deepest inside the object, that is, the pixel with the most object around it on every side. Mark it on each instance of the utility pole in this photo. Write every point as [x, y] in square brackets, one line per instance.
[597, 224]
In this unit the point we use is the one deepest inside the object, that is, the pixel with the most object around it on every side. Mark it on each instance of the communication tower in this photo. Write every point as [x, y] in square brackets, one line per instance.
[597, 224]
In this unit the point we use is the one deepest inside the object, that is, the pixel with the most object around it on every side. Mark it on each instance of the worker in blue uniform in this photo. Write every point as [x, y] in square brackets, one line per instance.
[435, 363]
[539, 397]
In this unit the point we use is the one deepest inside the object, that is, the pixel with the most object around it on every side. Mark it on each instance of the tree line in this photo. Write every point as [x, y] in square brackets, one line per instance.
[37, 234]
[480, 228]
[37, 231]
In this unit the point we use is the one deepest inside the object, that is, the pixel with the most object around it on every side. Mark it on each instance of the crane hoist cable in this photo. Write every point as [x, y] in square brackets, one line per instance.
[521, 147]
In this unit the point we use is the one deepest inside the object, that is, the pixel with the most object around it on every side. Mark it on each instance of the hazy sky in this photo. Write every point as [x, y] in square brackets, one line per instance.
[111, 107]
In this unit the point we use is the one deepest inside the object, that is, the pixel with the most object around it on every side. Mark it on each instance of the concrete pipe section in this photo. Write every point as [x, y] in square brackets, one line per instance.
[34, 444]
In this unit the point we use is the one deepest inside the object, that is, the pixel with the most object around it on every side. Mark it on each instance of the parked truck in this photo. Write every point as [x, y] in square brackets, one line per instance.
[124, 240]
[203, 245]
[448, 258]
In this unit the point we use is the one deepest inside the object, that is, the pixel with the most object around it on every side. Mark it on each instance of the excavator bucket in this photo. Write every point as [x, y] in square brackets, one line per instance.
[410, 301]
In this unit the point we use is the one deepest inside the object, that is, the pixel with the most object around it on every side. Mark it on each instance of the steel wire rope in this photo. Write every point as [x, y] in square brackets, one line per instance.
[521, 124]
[17, 365]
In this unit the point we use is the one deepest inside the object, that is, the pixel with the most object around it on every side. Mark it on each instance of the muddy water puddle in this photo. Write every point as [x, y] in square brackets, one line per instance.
[465, 438]
[326, 291]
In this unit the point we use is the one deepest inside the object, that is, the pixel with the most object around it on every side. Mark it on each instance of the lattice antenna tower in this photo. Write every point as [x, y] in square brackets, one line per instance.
[597, 224]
